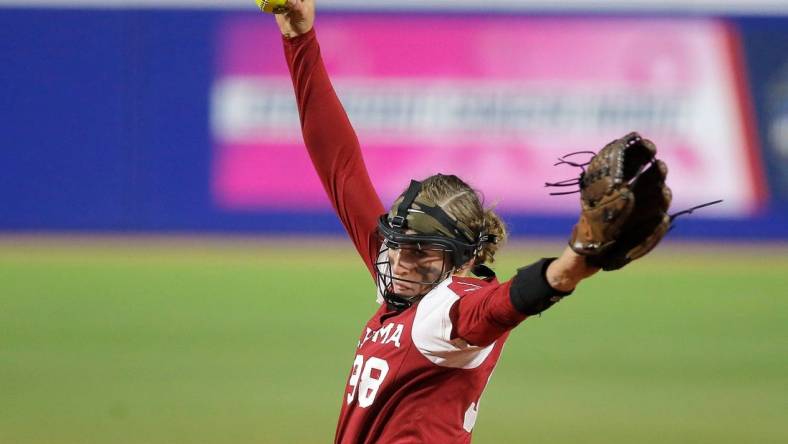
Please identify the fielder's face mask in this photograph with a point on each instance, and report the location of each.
(416, 227)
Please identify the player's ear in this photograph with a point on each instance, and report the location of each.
(465, 269)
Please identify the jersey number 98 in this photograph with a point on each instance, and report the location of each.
(366, 379)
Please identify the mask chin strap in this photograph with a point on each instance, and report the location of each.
(396, 301)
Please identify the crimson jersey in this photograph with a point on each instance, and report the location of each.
(419, 373)
(412, 380)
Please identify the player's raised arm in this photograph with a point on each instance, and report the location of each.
(328, 134)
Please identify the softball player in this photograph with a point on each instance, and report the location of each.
(424, 358)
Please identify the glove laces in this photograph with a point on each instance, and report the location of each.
(575, 181)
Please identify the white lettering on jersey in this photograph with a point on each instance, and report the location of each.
(355, 374)
(367, 335)
(366, 382)
(369, 385)
(397, 335)
(384, 335)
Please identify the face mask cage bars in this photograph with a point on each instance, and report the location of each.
(386, 279)
(455, 253)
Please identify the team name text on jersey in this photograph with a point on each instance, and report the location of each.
(388, 334)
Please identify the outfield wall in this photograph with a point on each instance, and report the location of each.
(182, 120)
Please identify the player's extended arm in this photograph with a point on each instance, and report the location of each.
(328, 134)
(568, 270)
(482, 316)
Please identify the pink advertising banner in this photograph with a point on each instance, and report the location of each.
(495, 100)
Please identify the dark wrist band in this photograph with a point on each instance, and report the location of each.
(530, 292)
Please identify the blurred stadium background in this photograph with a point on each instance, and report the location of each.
(171, 273)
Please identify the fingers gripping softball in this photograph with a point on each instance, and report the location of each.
(294, 17)
(272, 6)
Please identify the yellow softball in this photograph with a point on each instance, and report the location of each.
(272, 6)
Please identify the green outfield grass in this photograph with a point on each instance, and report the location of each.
(250, 341)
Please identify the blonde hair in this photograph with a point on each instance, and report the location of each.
(465, 204)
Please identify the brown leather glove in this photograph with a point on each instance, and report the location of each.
(624, 204)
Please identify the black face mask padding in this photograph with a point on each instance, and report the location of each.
(459, 251)
(400, 221)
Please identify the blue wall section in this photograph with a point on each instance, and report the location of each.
(104, 126)
(63, 115)
(766, 43)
